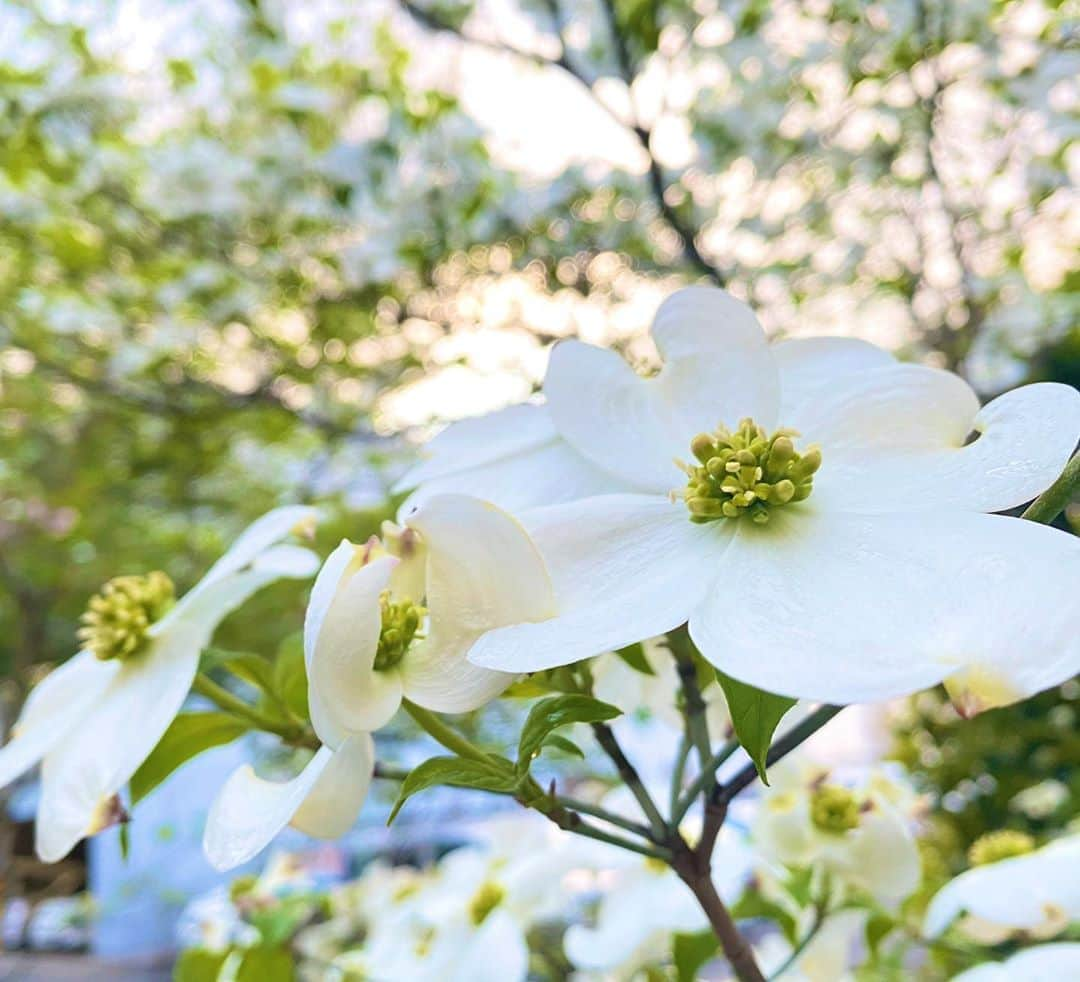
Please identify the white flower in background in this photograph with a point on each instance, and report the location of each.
(856, 831)
(96, 718)
(1037, 892)
(469, 919)
(845, 559)
(828, 956)
(1044, 963)
(368, 642)
(654, 694)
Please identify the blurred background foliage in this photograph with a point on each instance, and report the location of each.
(251, 251)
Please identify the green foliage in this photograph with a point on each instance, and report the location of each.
(755, 714)
(493, 774)
(188, 736)
(266, 964)
(554, 712)
(691, 951)
(974, 769)
(198, 965)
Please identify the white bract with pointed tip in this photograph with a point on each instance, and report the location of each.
(1038, 893)
(94, 720)
(828, 541)
(382, 627)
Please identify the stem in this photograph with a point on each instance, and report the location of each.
(697, 727)
(444, 734)
(571, 821)
(584, 808)
(788, 742)
(606, 738)
(677, 779)
(797, 951)
(1056, 498)
(387, 772)
(225, 700)
(703, 779)
(736, 949)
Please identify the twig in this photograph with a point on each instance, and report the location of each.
(222, 698)
(610, 745)
(1056, 498)
(585, 808)
(704, 778)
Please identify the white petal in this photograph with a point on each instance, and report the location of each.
(55, 705)
(287, 562)
(469, 443)
(543, 475)
(106, 747)
(1023, 892)
(1043, 963)
(323, 800)
(483, 572)
(625, 567)
(323, 591)
(858, 608)
(813, 369)
(895, 408)
(717, 369)
(257, 538)
(1025, 439)
(882, 857)
(341, 674)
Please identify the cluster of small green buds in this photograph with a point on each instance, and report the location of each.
(484, 901)
(996, 846)
(747, 472)
(834, 809)
(400, 625)
(117, 619)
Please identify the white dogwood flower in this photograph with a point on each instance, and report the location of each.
(1043, 963)
(1035, 892)
(368, 642)
(828, 539)
(96, 718)
(852, 829)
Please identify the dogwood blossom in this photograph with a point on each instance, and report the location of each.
(1039, 964)
(827, 540)
(368, 643)
(855, 830)
(98, 716)
(1036, 892)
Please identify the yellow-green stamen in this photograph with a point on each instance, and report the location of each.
(834, 809)
(400, 626)
(118, 619)
(996, 846)
(485, 900)
(747, 473)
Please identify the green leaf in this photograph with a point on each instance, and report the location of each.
(568, 747)
(755, 715)
(549, 714)
(198, 965)
(265, 964)
(752, 904)
(290, 676)
(189, 735)
(245, 665)
(877, 927)
(634, 656)
(493, 774)
(691, 951)
(800, 886)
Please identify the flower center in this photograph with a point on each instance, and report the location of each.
(400, 625)
(117, 620)
(486, 899)
(747, 473)
(834, 809)
(996, 846)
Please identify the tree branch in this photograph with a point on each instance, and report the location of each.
(610, 745)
